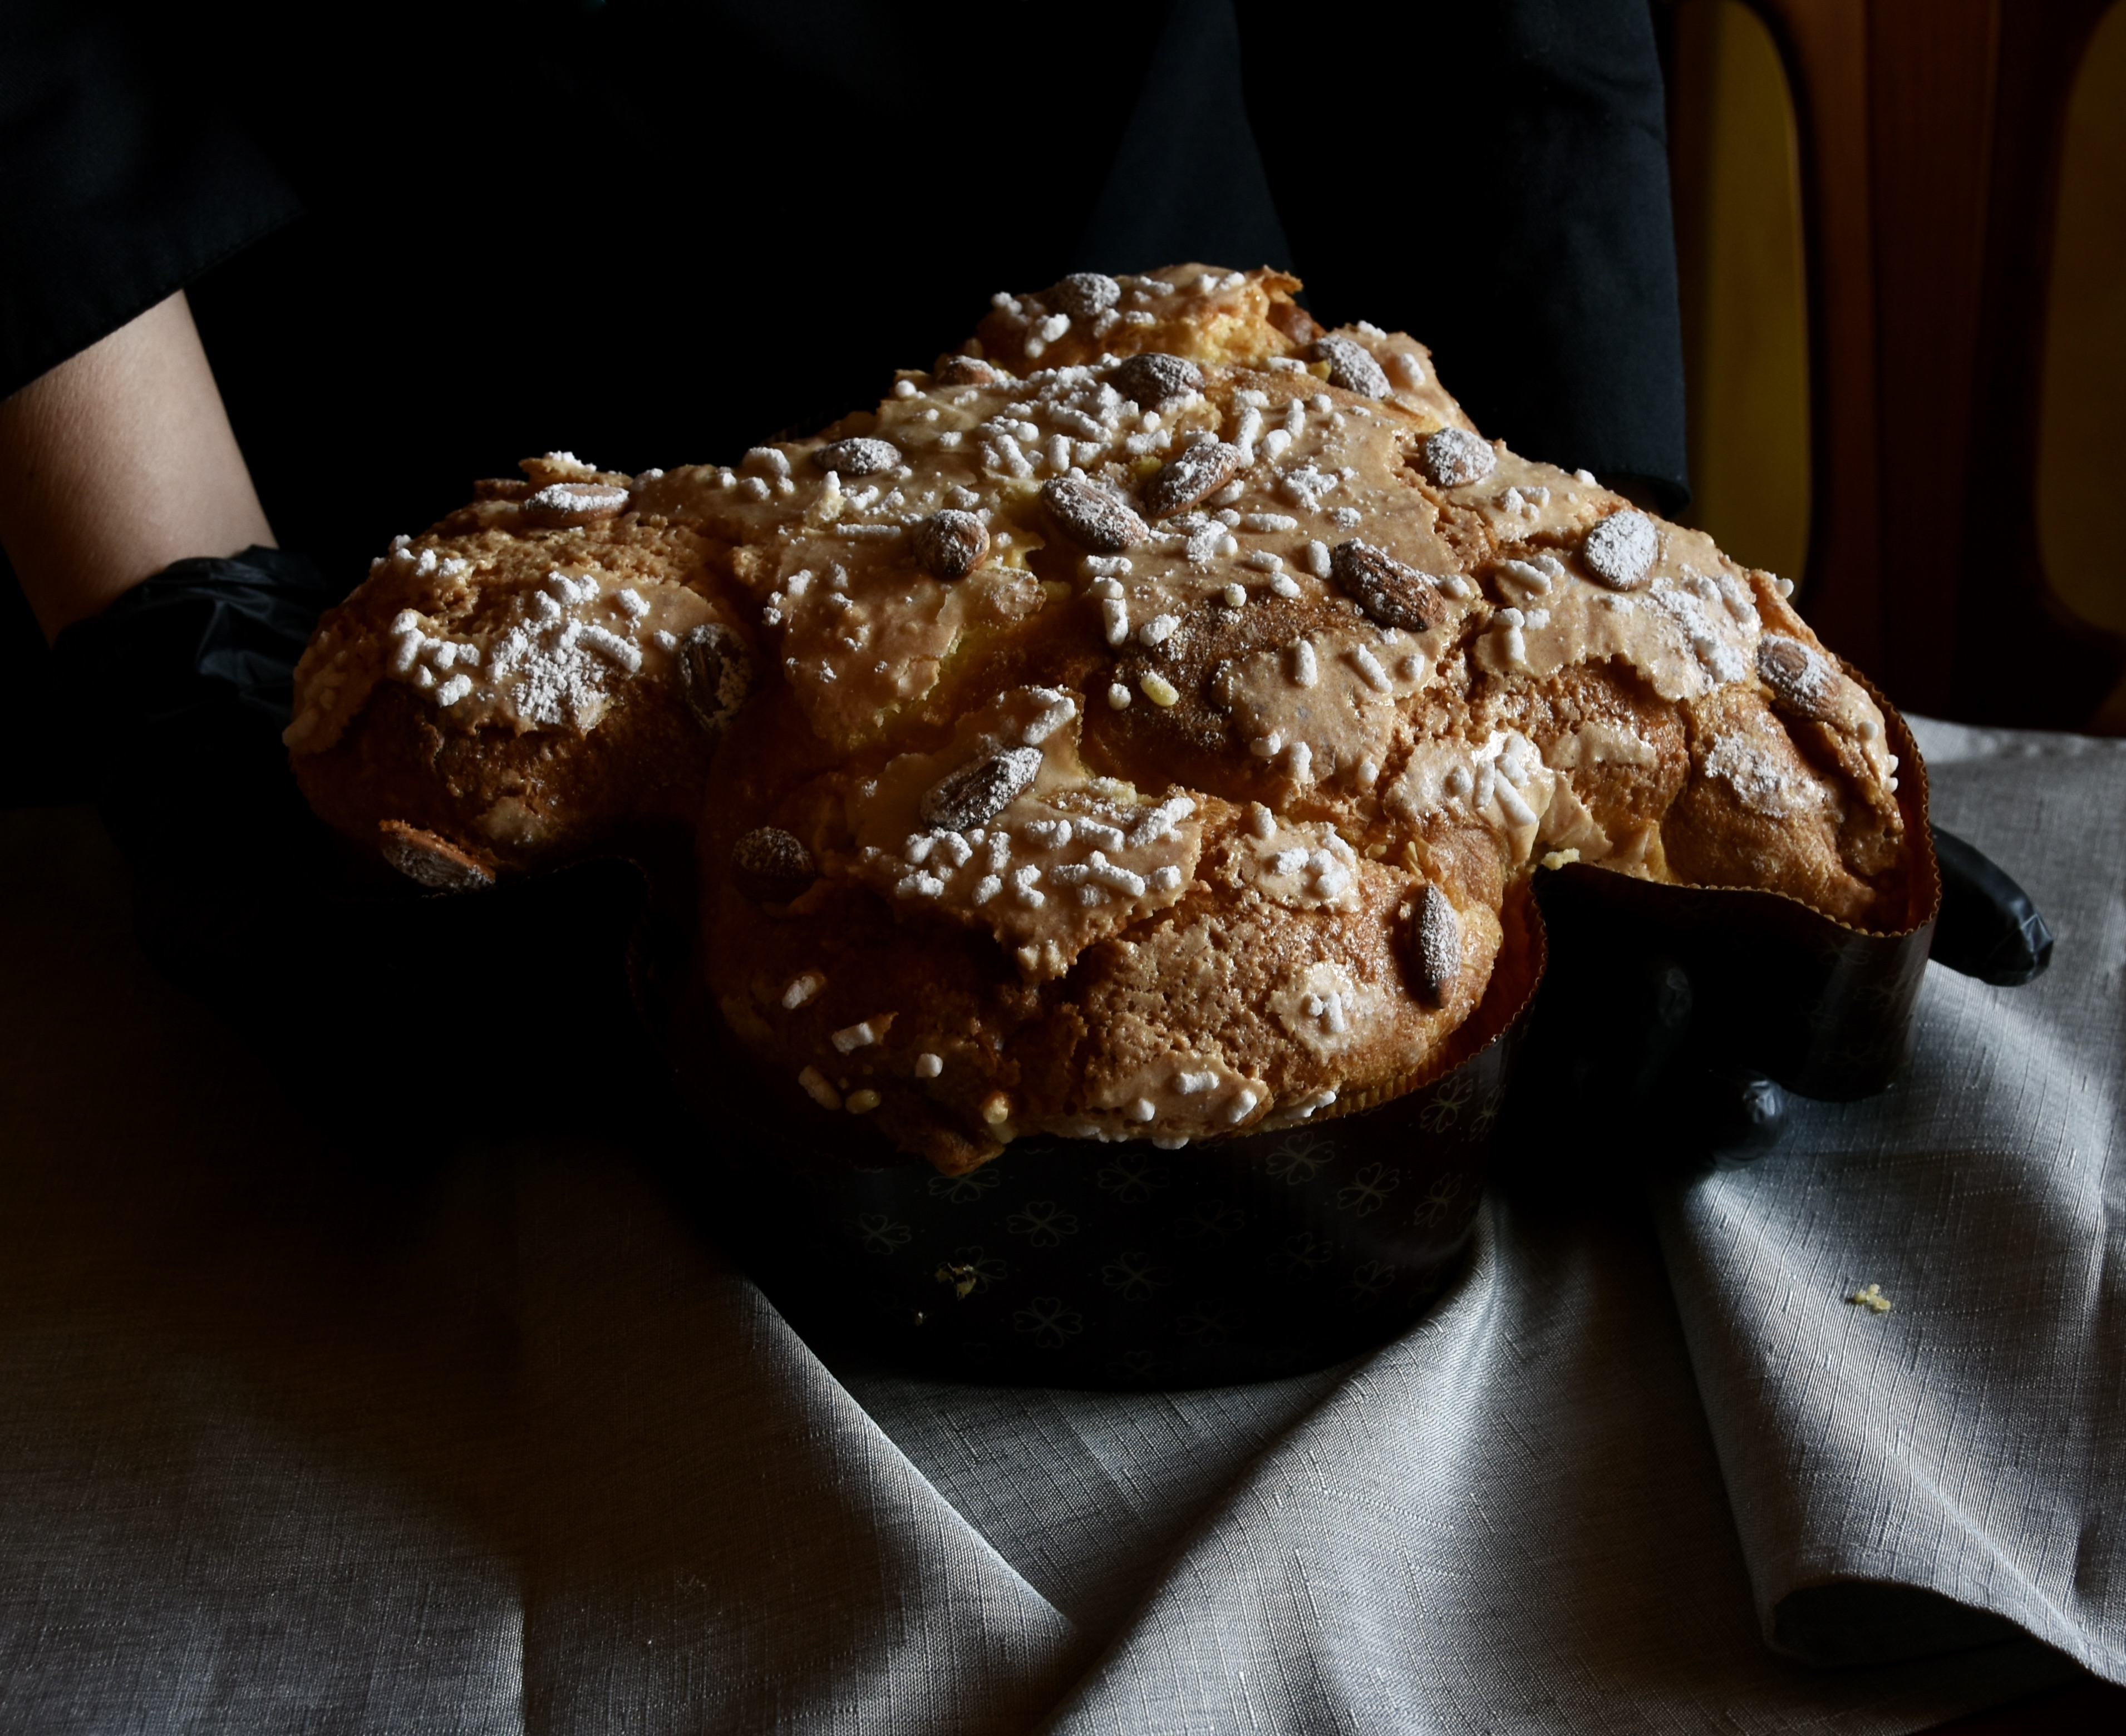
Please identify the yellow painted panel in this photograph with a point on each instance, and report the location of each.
(1740, 241)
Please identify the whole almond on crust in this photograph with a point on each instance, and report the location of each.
(716, 670)
(431, 861)
(1154, 380)
(1802, 681)
(1454, 458)
(949, 544)
(1352, 367)
(966, 370)
(770, 866)
(1394, 595)
(858, 456)
(1084, 294)
(1091, 515)
(1193, 474)
(1435, 944)
(980, 790)
(1620, 550)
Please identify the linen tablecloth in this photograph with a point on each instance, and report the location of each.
(420, 1433)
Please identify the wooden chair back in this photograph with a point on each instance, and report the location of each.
(1931, 136)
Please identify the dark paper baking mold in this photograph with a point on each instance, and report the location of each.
(1069, 1262)
(1821, 1006)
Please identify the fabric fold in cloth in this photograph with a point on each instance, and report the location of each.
(1920, 1469)
(725, 1539)
(1511, 1519)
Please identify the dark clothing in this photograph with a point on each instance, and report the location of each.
(118, 183)
(1493, 179)
(653, 232)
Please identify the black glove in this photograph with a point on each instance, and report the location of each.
(378, 1005)
(1622, 1076)
(179, 691)
(1988, 928)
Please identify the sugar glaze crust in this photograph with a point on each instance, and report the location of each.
(537, 676)
(1168, 787)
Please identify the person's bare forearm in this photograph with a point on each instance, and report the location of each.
(117, 462)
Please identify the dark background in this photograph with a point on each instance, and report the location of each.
(652, 232)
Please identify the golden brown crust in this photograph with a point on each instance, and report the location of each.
(503, 682)
(1755, 813)
(1164, 697)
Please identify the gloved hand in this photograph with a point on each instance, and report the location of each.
(376, 1006)
(179, 691)
(1988, 928)
(1622, 1076)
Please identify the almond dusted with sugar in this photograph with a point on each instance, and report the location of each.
(716, 670)
(949, 544)
(1435, 943)
(1394, 595)
(1620, 550)
(1198, 472)
(1084, 295)
(859, 456)
(1800, 679)
(1454, 458)
(562, 504)
(770, 866)
(966, 370)
(1092, 517)
(431, 861)
(1352, 367)
(1154, 380)
(981, 789)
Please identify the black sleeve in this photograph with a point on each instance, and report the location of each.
(1493, 179)
(120, 178)
(1187, 179)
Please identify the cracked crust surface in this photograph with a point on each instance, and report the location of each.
(1121, 817)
